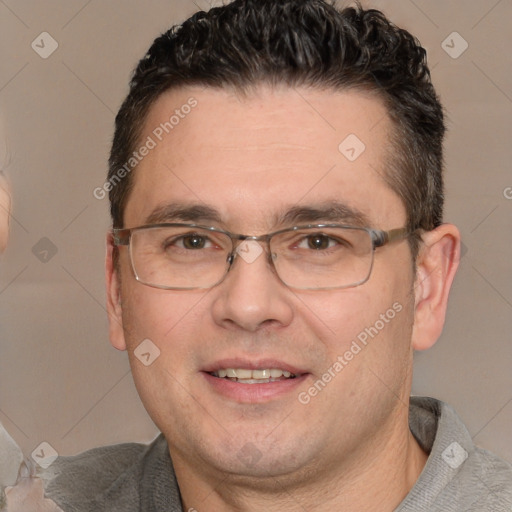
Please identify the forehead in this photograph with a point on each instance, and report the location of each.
(252, 157)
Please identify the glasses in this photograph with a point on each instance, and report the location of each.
(311, 257)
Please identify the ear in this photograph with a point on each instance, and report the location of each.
(436, 265)
(114, 307)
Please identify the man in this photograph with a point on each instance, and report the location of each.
(278, 253)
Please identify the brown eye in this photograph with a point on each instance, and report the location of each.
(194, 241)
(318, 242)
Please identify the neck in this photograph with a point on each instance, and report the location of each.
(377, 477)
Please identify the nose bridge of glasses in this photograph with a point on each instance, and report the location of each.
(238, 247)
(237, 240)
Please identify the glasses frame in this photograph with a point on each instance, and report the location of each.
(379, 238)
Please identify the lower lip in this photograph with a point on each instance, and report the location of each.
(254, 393)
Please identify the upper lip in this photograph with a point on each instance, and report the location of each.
(253, 364)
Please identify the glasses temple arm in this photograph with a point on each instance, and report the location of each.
(381, 238)
(121, 236)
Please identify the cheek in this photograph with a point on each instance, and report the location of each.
(367, 326)
(159, 315)
(169, 324)
(160, 330)
(344, 314)
(368, 351)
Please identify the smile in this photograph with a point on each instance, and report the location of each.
(248, 376)
(249, 381)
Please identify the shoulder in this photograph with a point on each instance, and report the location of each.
(487, 479)
(482, 483)
(458, 475)
(105, 478)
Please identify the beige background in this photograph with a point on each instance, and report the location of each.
(60, 381)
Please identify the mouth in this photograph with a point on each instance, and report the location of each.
(248, 376)
(254, 381)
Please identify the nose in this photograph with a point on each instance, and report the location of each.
(252, 296)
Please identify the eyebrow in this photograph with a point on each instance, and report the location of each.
(184, 213)
(331, 211)
(325, 212)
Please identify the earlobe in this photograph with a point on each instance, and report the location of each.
(437, 264)
(114, 306)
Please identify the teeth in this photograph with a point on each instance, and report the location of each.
(260, 374)
(253, 376)
(239, 374)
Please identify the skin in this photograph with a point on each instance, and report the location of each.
(5, 211)
(251, 159)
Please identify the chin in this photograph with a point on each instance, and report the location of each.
(246, 456)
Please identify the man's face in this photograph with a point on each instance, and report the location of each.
(252, 160)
